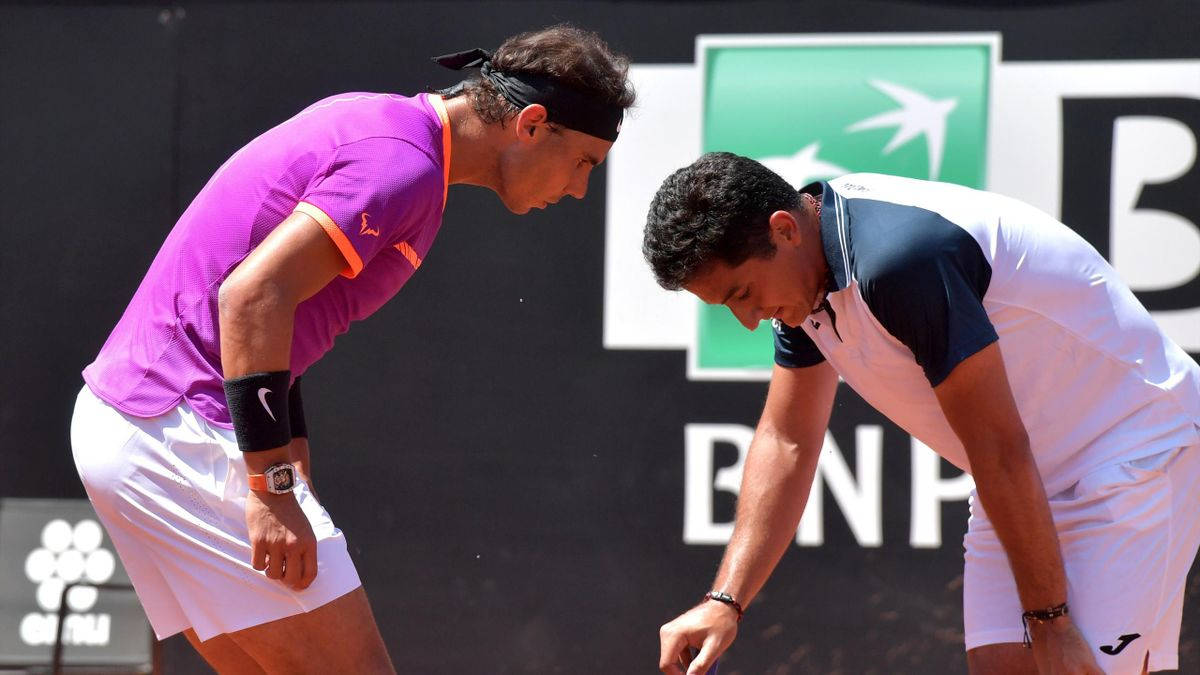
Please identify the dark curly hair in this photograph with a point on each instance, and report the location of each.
(717, 208)
(573, 56)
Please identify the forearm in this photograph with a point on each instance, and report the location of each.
(255, 322)
(1010, 488)
(775, 486)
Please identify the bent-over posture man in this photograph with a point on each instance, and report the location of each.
(999, 338)
(189, 434)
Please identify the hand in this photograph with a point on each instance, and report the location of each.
(709, 627)
(1060, 649)
(281, 539)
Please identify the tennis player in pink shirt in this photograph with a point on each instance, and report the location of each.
(189, 434)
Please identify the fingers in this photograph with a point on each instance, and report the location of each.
(672, 647)
(310, 568)
(295, 565)
(293, 569)
(707, 657)
(282, 543)
(258, 555)
(275, 562)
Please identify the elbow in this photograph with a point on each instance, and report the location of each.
(241, 295)
(232, 298)
(785, 449)
(1000, 452)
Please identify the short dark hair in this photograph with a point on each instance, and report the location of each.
(717, 208)
(578, 58)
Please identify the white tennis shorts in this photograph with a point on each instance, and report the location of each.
(171, 493)
(1129, 533)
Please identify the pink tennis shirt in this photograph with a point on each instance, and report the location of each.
(371, 169)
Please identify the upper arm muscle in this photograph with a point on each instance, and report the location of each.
(297, 259)
(978, 403)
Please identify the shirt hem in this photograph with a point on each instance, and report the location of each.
(121, 407)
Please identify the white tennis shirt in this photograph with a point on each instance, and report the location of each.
(923, 275)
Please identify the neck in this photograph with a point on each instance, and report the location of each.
(810, 221)
(475, 158)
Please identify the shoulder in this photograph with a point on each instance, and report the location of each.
(388, 163)
(896, 241)
(908, 259)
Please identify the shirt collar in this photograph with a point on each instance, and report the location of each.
(831, 240)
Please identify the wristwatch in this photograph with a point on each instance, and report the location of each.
(278, 479)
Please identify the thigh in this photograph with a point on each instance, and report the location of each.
(224, 655)
(339, 637)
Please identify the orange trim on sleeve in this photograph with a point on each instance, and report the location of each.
(353, 261)
(440, 106)
(409, 254)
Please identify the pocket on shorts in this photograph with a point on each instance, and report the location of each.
(1135, 494)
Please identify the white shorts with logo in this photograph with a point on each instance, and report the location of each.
(1129, 533)
(171, 493)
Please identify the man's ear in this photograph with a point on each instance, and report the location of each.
(784, 227)
(531, 120)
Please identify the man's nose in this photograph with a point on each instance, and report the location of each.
(577, 188)
(747, 317)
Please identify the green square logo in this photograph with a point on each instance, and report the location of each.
(817, 107)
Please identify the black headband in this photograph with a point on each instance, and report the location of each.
(565, 105)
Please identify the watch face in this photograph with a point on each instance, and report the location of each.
(281, 478)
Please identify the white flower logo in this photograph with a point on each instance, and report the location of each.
(69, 554)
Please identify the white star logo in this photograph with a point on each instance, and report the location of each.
(918, 114)
(803, 167)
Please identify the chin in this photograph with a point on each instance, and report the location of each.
(518, 210)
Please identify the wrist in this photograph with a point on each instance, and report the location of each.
(723, 598)
(257, 462)
(1045, 622)
(278, 479)
(270, 500)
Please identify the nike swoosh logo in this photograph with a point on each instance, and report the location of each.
(262, 398)
(1124, 642)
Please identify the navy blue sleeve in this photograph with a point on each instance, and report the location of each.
(926, 288)
(793, 347)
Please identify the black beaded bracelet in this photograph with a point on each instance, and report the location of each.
(1041, 616)
(726, 598)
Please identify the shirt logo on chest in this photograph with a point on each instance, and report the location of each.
(367, 229)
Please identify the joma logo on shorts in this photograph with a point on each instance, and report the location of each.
(1124, 642)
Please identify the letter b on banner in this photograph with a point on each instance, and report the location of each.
(857, 494)
(1130, 186)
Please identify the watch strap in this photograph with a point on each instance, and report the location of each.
(257, 481)
(261, 482)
